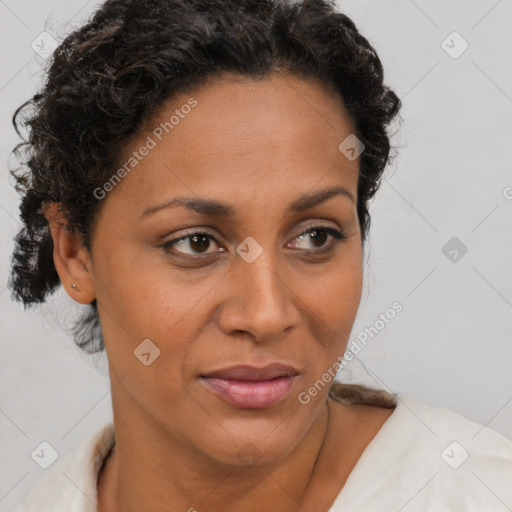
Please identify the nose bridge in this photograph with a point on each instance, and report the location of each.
(260, 270)
(263, 277)
(264, 301)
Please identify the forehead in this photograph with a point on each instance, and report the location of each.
(281, 131)
(275, 109)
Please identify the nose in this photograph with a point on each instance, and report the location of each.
(261, 302)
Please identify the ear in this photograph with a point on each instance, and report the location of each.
(71, 257)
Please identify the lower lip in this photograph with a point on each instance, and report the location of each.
(251, 394)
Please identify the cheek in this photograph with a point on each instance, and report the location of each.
(144, 297)
(332, 304)
(143, 301)
(336, 293)
(140, 288)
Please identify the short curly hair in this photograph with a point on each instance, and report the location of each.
(111, 75)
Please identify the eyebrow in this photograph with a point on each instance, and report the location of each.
(215, 208)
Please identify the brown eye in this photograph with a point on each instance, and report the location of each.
(319, 235)
(198, 243)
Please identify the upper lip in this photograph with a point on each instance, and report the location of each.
(247, 372)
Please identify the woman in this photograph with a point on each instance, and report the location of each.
(199, 174)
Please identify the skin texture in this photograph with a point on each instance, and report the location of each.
(258, 146)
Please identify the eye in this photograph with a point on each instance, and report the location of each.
(196, 241)
(199, 242)
(318, 235)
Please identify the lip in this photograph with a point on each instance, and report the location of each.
(248, 372)
(249, 387)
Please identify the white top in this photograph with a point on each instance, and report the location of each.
(423, 459)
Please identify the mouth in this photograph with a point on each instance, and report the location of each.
(248, 387)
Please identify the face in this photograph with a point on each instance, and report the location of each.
(253, 275)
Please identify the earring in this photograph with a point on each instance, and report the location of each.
(73, 285)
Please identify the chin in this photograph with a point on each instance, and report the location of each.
(257, 444)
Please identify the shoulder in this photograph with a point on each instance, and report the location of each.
(439, 424)
(71, 482)
(431, 458)
(466, 464)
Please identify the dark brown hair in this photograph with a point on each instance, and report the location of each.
(110, 76)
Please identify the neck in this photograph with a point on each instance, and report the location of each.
(150, 470)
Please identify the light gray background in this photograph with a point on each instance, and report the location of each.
(451, 345)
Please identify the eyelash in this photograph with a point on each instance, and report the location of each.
(336, 235)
